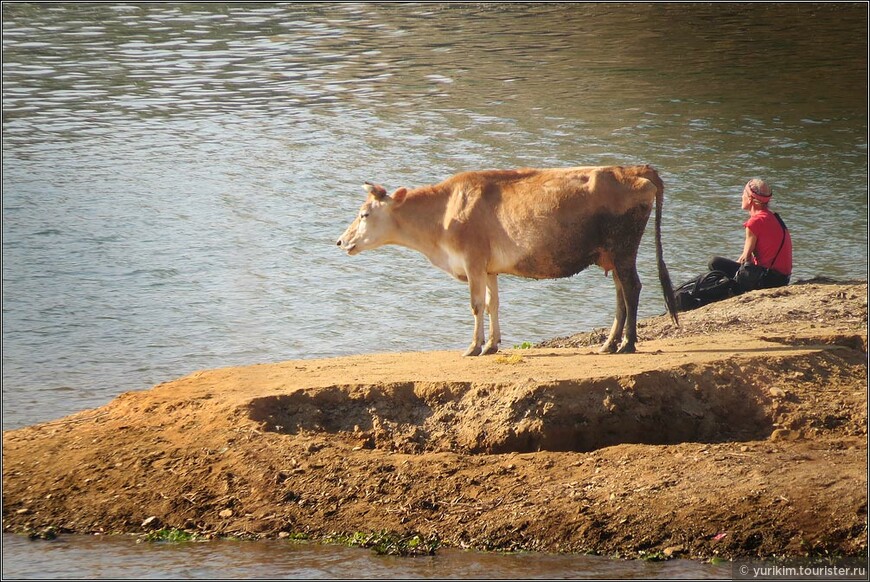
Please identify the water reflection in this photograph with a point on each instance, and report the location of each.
(90, 557)
(165, 59)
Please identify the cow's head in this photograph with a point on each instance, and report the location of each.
(374, 226)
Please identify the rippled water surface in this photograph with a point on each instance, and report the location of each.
(175, 175)
(105, 558)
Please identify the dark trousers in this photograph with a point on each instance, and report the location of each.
(729, 267)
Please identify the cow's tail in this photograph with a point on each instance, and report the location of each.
(664, 276)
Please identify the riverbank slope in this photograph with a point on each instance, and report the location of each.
(741, 434)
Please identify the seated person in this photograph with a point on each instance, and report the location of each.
(768, 242)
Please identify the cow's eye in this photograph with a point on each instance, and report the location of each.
(363, 214)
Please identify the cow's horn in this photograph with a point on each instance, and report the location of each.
(375, 190)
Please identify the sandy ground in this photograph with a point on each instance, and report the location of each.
(741, 434)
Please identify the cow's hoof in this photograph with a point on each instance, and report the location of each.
(626, 348)
(489, 349)
(607, 348)
(472, 351)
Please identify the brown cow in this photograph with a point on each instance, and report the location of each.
(537, 223)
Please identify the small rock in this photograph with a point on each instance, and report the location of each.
(671, 551)
(283, 535)
(314, 447)
(152, 522)
(783, 434)
(776, 392)
(226, 513)
(22, 511)
(48, 533)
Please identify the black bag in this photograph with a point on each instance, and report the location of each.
(704, 289)
(750, 276)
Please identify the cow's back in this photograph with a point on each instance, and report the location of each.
(548, 223)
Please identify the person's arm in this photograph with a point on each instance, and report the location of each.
(748, 246)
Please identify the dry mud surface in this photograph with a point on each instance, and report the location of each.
(741, 434)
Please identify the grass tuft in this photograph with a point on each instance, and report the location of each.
(386, 543)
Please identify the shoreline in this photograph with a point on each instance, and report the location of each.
(742, 434)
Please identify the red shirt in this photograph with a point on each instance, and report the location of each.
(768, 231)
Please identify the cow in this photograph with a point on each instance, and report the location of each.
(529, 222)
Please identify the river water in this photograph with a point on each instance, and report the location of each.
(71, 557)
(175, 177)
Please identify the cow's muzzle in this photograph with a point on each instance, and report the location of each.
(349, 248)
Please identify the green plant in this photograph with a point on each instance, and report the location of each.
(296, 536)
(386, 543)
(524, 346)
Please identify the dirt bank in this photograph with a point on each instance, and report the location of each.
(743, 433)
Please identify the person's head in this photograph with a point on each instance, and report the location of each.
(756, 195)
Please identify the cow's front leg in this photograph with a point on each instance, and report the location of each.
(477, 290)
(491, 346)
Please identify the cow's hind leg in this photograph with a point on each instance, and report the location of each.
(626, 271)
(622, 239)
(491, 346)
(612, 343)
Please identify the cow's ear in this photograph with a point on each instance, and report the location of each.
(375, 190)
(399, 196)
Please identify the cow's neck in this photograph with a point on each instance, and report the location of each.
(419, 220)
